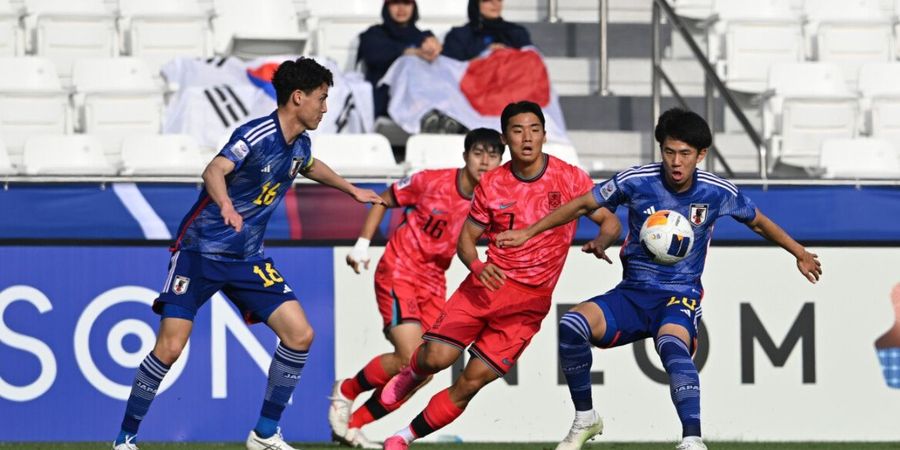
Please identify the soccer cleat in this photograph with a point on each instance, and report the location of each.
(396, 443)
(399, 387)
(581, 432)
(339, 412)
(356, 439)
(127, 445)
(274, 442)
(691, 443)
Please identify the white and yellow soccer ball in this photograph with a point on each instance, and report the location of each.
(667, 237)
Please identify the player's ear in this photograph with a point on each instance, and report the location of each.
(297, 97)
(701, 154)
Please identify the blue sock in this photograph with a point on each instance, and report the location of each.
(143, 391)
(684, 382)
(284, 373)
(575, 358)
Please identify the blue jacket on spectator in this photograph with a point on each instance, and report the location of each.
(468, 41)
(381, 45)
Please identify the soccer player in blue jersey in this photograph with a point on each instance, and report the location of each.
(220, 247)
(662, 302)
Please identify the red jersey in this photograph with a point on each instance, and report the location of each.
(503, 201)
(426, 241)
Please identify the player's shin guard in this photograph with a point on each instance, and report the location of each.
(143, 391)
(372, 410)
(284, 373)
(372, 376)
(440, 412)
(576, 359)
(684, 382)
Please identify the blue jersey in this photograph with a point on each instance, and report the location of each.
(643, 191)
(264, 169)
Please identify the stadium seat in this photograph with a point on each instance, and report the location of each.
(748, 37)
(164, 154)
(254, 29)
(6, 167)
(860, 158)
(159, 30)
(10, 31)
(881, 99)
(117, 97)
(434, 151)
(337, 37)
(32, 102)
(75, 154)
(849, 33)
(356, 154)
(806, 103)
(693, 9)
(66, 30)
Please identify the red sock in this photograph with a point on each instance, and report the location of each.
(371, 376)
(419, 372)
(372, 410)
(440, 412)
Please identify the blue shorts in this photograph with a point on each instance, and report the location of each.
(255, 287)
(635, 313)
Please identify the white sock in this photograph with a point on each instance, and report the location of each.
(585, 416)
(406, 434)
(696, 439)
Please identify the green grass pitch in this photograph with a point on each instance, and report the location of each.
(473, 446)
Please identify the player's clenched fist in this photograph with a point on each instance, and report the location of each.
(511, 238)
(233, 219)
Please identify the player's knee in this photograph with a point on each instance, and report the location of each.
(436, 357)
(168, 350)
(300, 339)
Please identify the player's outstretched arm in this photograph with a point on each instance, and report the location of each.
(488, 274)
(214, 180)
(610, 230)
(808, 263)
(572, 210)
(360, 253)
(321, 173)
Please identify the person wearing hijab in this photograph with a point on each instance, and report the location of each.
(485, 30)
(381, 45)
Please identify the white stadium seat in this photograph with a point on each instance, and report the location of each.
(259, 28)
(75, 154)
(749, 37)
(693, 9)
(118, 97)
(860, 158)
(806, 103)
(434, 151)
(32, 102)
(356, 154)
(6, 167)
(159, 30)
(881, 99)
(165, 154)
(66, 30)
(11, 34)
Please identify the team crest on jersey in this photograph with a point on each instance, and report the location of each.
(699, 211)
(180, 285)
(295, 166)
(554, 199)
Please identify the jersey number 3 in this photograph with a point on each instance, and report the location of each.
(267, 194)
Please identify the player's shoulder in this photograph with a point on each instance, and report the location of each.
(639, 174)
(499, 174)
(717, 183)
(256, 130)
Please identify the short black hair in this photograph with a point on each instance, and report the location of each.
(514, 109)
(304, 74)
(486, 137)
(685, 126)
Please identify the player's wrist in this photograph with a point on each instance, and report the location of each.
(476, 266)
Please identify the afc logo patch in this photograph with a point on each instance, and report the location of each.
(554, 199)
(699, 211)
(180, 285)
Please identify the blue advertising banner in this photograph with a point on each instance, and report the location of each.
(75, 323)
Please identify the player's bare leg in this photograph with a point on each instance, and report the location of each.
(446, 405)
(170, 342)
(580, 326)
(346, 427)
(430, 358)
(290, 324)
(673, 343)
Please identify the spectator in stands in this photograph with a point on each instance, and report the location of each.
(486, 30)
(381, 45)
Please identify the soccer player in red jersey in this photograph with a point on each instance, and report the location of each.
(410, 286)
(499, 307)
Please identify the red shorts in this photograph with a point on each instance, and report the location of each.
(405, 297)
(498, 324)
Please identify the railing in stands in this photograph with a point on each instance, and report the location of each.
(712, 83)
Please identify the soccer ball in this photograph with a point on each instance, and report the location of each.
(667, 237)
